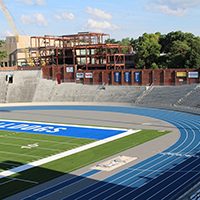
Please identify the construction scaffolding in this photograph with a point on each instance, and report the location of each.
(82, 51)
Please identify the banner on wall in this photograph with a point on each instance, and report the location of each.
(117, 77)
(88, 75)
(138, 77)
(181, 74)
(79, 75)
(193, 74)
(127, 77)
(69, 69)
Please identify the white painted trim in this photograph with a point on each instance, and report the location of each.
(64, 154)
(71, 125)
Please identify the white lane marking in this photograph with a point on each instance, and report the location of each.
(130, 177)
(192, 178)
(190, 129)
(174, 173)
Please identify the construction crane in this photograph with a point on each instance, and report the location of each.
(13, 26)
(9, 18)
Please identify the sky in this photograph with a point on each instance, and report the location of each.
(119, 18)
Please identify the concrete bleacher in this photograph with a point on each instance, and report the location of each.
(93, 93)
(126, 94)
(165, 95)
(3, 89)
(44, 90)
(73, 92)
(192, 99)
(23, 87)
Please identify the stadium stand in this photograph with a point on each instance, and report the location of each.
(165, 95)
(43, 90)
(29, 86)
(3, 88)
(191, 99)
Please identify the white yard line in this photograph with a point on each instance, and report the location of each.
(39, 140)
(18, 154)
(64, 154)
(18, 179)
(42, 148)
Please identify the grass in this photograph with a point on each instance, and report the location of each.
(11, 143)
(65, 165)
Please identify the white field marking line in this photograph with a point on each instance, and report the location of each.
(24, 180)
(134, 176)
(53, 187)
(151, 161)
(64, 154)
(43, 148)
(27, 155)
(8, 181)
(39, 140)
(162, 173)
(70, 125)
(183, 184)
(175, 172)
(18, 179)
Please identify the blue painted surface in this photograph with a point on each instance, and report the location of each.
(159, 177)
(59, 186)
(57, 130)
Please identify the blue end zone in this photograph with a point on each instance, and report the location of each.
(59, 130)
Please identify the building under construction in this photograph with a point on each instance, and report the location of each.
(83, 51)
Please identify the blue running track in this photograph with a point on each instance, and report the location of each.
(164, 176)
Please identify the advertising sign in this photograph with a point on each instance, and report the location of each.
(193, 74)
(69, 69)
(79, 75)
(127, 77)
(181, 74)
(88, 75)
(137, 77)
(117, 77)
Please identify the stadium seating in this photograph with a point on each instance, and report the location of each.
(29, 86)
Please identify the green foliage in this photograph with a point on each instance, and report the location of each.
(173, 50)
(154, 66)
(147, 49)
(125, 42)
(111, 41)
(3, 54)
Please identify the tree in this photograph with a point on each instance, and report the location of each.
(178, 54)
(193, 58)
(127, 43)
(147, 49)
(111, 41)
(2, 52)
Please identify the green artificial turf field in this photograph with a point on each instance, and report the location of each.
(16, 148)
(12, 155)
